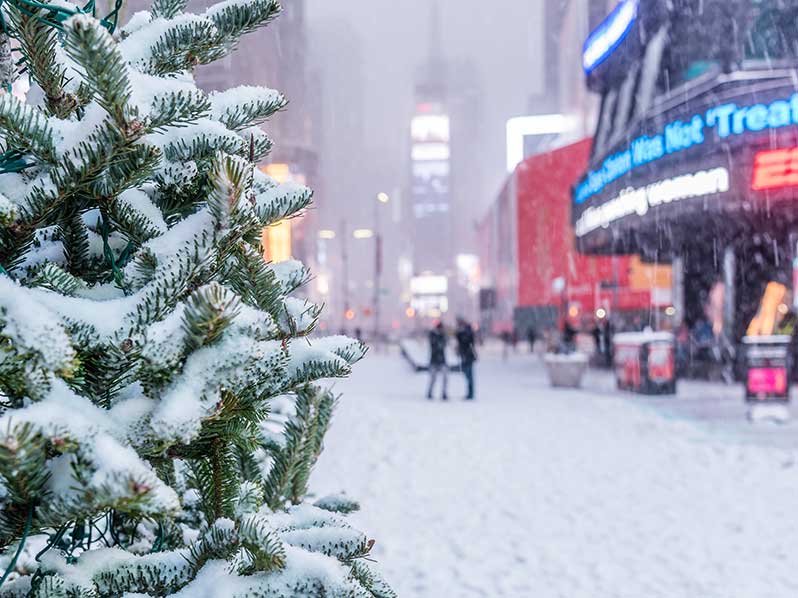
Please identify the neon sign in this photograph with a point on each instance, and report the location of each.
(775, 169)
(725, 121)
(639, 201)
(609, 34)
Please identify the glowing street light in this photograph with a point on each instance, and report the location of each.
(326, 234)
(363, 233)
(383, 198)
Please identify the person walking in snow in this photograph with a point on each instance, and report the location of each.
(467, 352)
(437, 359)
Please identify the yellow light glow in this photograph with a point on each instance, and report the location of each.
(276, 242)
(279, 172)
(383, 197)
(573, 311)
(323, 284)
(764, 323)
(363, 233)
(410, 312)
(670, 311)
(326, 234)
(601, 313)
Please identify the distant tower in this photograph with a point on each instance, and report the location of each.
(430, 205)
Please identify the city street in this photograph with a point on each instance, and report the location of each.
(533, 492)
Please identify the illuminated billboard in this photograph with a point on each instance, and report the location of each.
(430, 161)
(728, 152)
(603, 41)
(429, 284)
(430, 128)
(429, 295)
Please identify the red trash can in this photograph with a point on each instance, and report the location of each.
(645, 362)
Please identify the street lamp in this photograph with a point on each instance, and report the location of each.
(363, 233)
(382, 198)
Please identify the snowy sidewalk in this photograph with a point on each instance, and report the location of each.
(534, 493)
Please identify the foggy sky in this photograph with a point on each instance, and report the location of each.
(502, 37)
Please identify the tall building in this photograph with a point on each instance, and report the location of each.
(343, 262)
(446, 174)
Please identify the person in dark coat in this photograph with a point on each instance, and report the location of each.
(467, 352)
(531, 337)
(437, 359)
(568, 337)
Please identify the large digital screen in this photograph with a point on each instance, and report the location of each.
(430, 166)
(720, 151)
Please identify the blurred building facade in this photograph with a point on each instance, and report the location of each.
(275, 57)
(694, 152)
(446, 172)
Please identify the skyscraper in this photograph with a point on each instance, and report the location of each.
(445, 173)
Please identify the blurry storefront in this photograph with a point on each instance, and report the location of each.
(695, 155)
(532, 275)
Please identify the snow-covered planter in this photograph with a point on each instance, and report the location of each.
(566, 370)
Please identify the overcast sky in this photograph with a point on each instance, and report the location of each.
(502, 37)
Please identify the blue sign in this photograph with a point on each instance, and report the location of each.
(726, 120)
(608, 36)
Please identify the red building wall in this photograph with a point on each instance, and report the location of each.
(545, 246)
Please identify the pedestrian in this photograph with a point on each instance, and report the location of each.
(531, 337)
(598, 341)
(606, 337)
(437, 359)
(568, 337)
(467, 353)
(506, 337)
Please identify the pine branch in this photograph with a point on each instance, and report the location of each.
(74, 236)
(209, 312)
(245, 106)
(90, 45)
(26, 129)
(52, 277)
(22, 467)
(184, 45)
(231, 178)
(167, 9)
(234, 19)
(318, 415)
(38, 43)
(178, 108)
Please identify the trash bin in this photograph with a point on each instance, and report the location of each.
(645, 362)
(767, 361)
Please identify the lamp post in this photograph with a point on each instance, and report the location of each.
(344, 275)
(382, 198)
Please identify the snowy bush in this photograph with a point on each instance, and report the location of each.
(143, 337)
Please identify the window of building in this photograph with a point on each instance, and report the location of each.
(773, 34)
(604, 132)
(650, 72)
(623, 111)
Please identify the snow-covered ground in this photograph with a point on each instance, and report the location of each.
(530, 492)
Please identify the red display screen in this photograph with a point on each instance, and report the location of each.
(775, 169)
(767, 381)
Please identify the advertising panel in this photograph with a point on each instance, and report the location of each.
(430, 153)
(720, 151)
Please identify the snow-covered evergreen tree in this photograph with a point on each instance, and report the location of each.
(160, 416)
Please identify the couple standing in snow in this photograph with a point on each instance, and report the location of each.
(466, 351)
